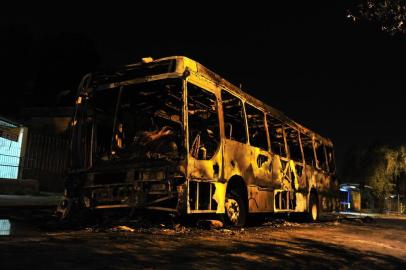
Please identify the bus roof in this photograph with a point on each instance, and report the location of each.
(184, 63)
(217, 79)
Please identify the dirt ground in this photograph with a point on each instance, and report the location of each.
(378, 243)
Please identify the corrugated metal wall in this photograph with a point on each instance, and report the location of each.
(46, 160)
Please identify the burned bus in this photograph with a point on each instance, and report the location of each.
(171, 135)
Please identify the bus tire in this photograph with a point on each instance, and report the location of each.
(235, 210)
(313, 214)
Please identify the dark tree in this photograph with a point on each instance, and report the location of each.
(388, 15)
(380, 166)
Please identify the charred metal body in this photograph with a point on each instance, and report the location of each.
(171, 135)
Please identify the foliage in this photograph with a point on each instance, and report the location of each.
(380, 166)
(389, 15)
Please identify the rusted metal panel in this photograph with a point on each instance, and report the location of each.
(260, 199)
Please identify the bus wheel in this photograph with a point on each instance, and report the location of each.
(314, 211)
(235, 210)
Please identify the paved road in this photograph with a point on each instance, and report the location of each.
(345, 244)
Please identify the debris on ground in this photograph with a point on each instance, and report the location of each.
(167, 231)
(210, 224)
(227, 231)
(122, 228)
(181, 229)
(354, 219)
(276, 223)
(91, 229)
(379, 244)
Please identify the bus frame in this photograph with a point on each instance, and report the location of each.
(239, 176)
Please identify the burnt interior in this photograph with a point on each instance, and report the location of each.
(321, 156)
(201, 196)
(292, 140)
(308, 152)
(276, 136)
(256, 127)
(139, 121)
(234, 117)
(204, 133)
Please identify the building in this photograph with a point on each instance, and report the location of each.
(48, 145)
(34, 151)
(13, 146)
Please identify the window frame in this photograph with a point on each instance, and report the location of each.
(321, 144)
(282, 127)
(186, 113)
(299, 138)
(311, 137)
(244, 120)
(267, 148)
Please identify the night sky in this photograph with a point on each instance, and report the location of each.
(344, 80)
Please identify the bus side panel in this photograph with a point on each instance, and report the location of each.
(261, 162)
(237, 160)
(254, 166)
(325, 186)
(328, 191)
(260, 200)
(205, 169)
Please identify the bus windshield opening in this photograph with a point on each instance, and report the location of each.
(139, 121)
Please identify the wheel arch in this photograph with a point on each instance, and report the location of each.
(313, 193)
(237, 184)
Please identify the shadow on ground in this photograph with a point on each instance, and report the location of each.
(134, 251)
(161, 248)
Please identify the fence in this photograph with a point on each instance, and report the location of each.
(395, 204)
(46, 159)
